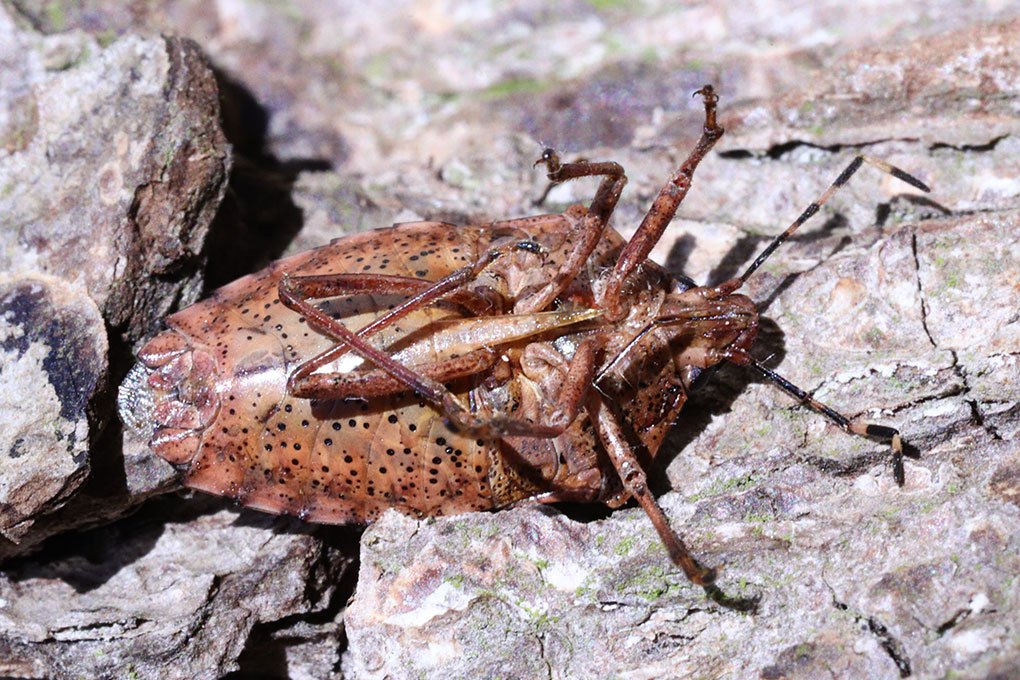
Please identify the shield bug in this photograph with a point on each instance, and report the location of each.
(439, 369)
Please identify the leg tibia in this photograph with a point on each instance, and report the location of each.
(634, 481)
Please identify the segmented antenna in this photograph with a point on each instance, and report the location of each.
(849, 425)
(809, 211)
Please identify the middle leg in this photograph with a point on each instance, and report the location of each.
(295, 292)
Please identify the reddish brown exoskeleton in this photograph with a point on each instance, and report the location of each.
(438, 369)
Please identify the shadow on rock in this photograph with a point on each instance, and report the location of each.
(908, 208)
(258, 218)
(270, 646)
(679, 254)
(87, 560)
(714, 393)
(744, 605)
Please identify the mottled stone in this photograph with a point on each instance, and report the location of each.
(53, 360)
(151, 598)
(958, 88)
(1005, 482)
(889, 305)
(112, 168)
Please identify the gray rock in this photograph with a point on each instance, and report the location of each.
(171, 595)
(53, 360)
(112, 166)
(889, 306)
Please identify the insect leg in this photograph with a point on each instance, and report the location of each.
(550, 423)
(852, 426)
(663, 209)
(433, 390)
(428, 383)
(377, 382)
(552, 183)
(424, 293)
(635, 481)
(297, 290)
(588, 233)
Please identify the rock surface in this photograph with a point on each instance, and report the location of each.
(54, 348)
(112, 167)
(174, 594)
(890, 305)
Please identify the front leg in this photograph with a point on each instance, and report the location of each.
(588, 233)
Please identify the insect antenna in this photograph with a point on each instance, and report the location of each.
(809, 211)
(852, 426)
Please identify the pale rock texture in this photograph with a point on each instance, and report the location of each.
(112, 166)
(53, 348)
(150, 151)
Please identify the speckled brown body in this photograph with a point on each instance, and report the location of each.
(438, 369)
(239, 434)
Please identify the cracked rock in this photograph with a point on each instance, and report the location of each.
(156, 598)
(956, 89)
(450, 596)
(112, 165)
(969, 276)
(889, 305)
